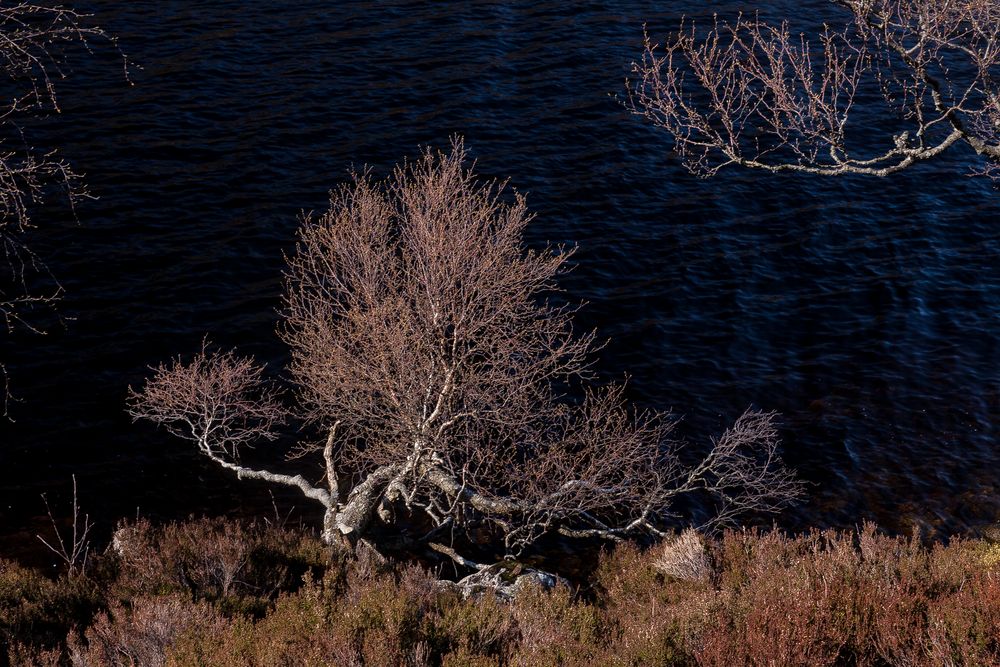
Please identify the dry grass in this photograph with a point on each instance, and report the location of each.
(684, 557)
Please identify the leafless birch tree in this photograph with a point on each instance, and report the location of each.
(426, 354)
(754, 94)
(33, 39)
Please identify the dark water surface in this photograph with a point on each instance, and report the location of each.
(866, 311)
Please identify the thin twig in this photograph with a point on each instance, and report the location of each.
(75, 555)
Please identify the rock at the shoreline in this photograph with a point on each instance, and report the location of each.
(505, 580)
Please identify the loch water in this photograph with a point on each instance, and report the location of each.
(865, 311)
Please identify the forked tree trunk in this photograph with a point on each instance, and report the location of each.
(350, 520)
(341, 521)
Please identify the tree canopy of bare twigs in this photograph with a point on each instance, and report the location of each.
(754, 94)
(427, 356)
(33, 39)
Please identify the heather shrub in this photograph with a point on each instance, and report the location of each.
(555, 629)
(25, 601)
(477, 631)
(464, 658)
(627, 574)
(370, 615)
(379, 618)
(792, 609)
(840, 598)
(989, 556)
(241, 567)
(23, 654)
(177, 557)
(648, 616)
(825, 598)
(896, 578)
(963, 626)
(387, 617)
(37, 612)
(143, 633)
(220, 553)
(298, 631)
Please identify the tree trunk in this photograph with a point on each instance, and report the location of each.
(351, 520)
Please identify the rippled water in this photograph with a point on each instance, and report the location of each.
(866, 311)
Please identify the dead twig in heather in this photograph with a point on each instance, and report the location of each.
(74, 551)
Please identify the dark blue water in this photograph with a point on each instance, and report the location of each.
(866, 311)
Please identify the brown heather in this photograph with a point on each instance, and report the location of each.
(213, 592)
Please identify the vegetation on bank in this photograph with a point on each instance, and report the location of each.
(215, 592)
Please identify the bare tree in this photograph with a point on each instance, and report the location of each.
(33, 39)
(754, 94)
(425, 352)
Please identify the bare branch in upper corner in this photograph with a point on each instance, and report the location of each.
(753, 94)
